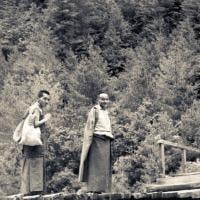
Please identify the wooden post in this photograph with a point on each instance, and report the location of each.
(184, 158)
(162, 154)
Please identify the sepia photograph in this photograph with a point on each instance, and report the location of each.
(99, 99)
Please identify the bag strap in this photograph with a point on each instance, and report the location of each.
(25, 114)
(34, 108)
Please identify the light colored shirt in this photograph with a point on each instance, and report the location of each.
(103, 125)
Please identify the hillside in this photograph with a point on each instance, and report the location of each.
(144, 54)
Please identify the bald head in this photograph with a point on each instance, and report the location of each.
(103, 100)
(103, 95)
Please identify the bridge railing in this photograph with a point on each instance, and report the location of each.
(163, 143)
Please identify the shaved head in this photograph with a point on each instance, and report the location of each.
(103, 100)
(103, 95)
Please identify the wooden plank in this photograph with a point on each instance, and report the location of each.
(34, 197)
(55, 196)
(86, 196)
(170, 195)
(184, 160)
(154, 195)
(162, 154)
(176, 145)
(186, 174)
(182, 194)
(108, 196)
(184, 178)
(194, 194)
(172, 187)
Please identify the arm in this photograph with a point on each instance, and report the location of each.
(35, 119)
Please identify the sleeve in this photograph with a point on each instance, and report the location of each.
(91, 119)
(89, 127)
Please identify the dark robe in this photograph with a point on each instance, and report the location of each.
(99, 165)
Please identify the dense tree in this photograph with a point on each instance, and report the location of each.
(144, 54)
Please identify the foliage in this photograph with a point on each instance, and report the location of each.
(144, 54)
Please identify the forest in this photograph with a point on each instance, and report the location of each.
(144, 53)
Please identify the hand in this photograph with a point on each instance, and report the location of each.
(47, 117)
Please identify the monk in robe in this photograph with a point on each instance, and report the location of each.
(33, 163)
(95, 163)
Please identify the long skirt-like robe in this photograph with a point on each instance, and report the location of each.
(32, 176)
(99, 165)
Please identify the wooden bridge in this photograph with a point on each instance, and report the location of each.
(181, 194)
(180, 186)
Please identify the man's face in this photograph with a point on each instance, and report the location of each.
(104, 101)
(44, 100)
